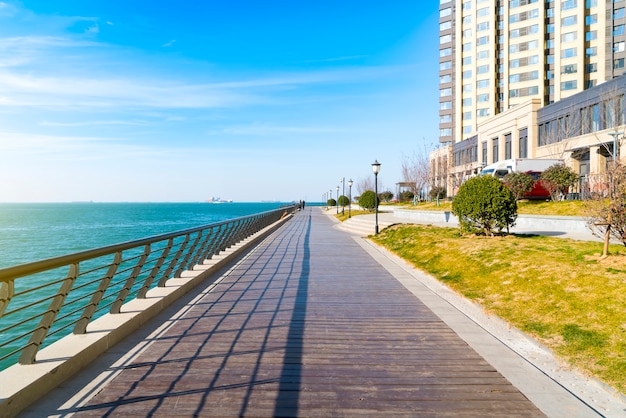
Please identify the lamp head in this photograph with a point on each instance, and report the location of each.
(376, 167)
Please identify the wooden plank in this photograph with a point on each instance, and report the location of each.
(309, 325)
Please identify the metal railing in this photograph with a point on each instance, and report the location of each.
(43, 301)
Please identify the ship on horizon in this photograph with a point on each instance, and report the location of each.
(219, 200)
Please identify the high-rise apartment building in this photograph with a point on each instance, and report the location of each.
(497, 54)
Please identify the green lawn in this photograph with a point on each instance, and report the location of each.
(557, 290)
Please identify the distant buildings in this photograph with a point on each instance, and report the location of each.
(529, 79)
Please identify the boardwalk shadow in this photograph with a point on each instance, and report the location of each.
(191, 360)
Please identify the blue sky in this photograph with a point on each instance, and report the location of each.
(184, 100)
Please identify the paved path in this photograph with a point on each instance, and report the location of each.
(310, 323)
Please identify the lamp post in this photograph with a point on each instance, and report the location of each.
(343, 193)
(376, 170)
(615, 153)
(330, 196)
(337, 205)
(350, 198)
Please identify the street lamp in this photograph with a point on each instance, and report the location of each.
(350, 198)
(615, 153)
(376, 170)
(337, 205)
(343, 193)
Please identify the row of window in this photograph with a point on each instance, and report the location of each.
(599, 116)
(469, 153)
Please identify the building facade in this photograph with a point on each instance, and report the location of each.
(502, 61)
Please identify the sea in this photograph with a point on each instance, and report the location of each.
(36, 231)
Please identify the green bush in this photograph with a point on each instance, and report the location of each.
(519, 183)
(484, 204)
(407, 196)
(385, 196)
(437, 192)
(367, 200)
(558, 179)
(343, 201)
(331, 202)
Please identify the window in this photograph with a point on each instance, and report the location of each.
(507, 146)
(482, 98)
(467, 33)
(445, 105)
(484, 146)
(591, 3)
(618, 63)
(467, 74)
(482, 26)
(446, 65)
(445, 132)
(591, 36)
(445, 39)
(467, 115)
(618, 30)
(445, 92)
(445, 25)
(467, 5)
(483, 40)
(445, 12)
(568, 53)
(467, 101)
(445, 118)
(523, 143)
(592, 68)
(446, 52)
(495, 149)
(591, 19)
(591, 52)
(482, 69)
(467, 88)
(482, 55)
(568, 21)
(482, 112)
(481, 84)
(568, 4)
(482, 12)
(466, 47)
(467, 129)
(569, 85)
(446, 78)
(618, 46)
(568, 37)
(569, 69)
(618, 13)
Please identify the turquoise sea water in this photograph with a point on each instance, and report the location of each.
(36, 231)
(32, 232)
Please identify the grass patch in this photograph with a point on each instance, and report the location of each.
(524, 207)
(344, 217)
(557, 290)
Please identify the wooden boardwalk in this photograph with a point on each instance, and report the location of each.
(308, 324)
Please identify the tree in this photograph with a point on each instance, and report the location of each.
(367, 200)
(343, 201)
(416, 170)
(407, 196)
(607, 217)
(558, 179)
(484, 204)
(437, 192)
(331, 202)
(519, 183)
(385, 196)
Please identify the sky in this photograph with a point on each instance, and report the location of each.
(181, 101)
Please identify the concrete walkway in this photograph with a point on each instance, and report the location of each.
(317, 322)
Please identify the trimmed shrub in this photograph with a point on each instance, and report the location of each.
(484, 204)
(437, 192)
(331, 202)
(343, 200)
(385, 196)
(519, 183)
(407, 196)
(558, 179)
(367, 200)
